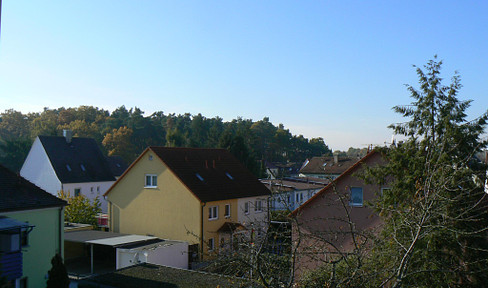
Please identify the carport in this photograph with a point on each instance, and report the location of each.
(103, 242)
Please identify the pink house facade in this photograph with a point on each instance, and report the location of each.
(336, 220)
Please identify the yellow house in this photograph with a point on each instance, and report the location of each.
(197, 195)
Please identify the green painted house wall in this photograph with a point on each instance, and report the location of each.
(45, 240)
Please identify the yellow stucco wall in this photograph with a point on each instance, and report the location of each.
(169, 211)
(211, 226)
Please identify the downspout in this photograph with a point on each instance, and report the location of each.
(61, 231)
(201, 233)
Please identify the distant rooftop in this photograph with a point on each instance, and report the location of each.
(328, 165)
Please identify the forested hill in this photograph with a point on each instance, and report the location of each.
(128, 132)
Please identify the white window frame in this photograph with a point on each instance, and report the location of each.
(246, 207)
(213, 213)
(351, 200)
(211, 244)
(153, 180)
(227, 211)
(258, 206)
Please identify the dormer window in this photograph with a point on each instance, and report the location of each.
(68, 167)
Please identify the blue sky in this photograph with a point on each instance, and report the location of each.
(331, 69)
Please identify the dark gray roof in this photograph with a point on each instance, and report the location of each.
(211, 174)
(79, 161)
(117, 165)
(16, 193)
(150, 275)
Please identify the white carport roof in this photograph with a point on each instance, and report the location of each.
(106, 238)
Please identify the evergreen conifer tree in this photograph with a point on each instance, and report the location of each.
(58, 276)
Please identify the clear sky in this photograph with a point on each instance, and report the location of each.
(331, 69)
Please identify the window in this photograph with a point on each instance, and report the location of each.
(151, 180)
(213, 212)
(258, 206)
(385, 190)
(77, 192)
(299, 197)
(211, 244)
(356, 197)
(246, 208)
(68, 167)
(91, 190)
(98, 188)
(229, 176)
(227, 211)
(82, 167)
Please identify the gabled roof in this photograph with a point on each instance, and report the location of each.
(16, 193)
(79, 161)
(327, 165)
(210, 174)
(332, 184)
(117, 165)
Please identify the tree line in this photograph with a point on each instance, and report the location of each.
(127, 132)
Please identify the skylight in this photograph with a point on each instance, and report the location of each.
(68, 167)
(199, 177)
(228, 175)
(82, 167)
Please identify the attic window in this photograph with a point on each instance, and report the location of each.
(150, 157)
(68, 167)
(82, 167)
(229, 176)
(199, 177)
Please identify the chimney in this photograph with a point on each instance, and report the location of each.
(68, 135)
(336, 159)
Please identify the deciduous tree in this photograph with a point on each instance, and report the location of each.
(80, 209)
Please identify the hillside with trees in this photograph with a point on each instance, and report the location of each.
(127, 132)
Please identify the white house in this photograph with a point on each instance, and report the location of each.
(289, 193)
(71, 164)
